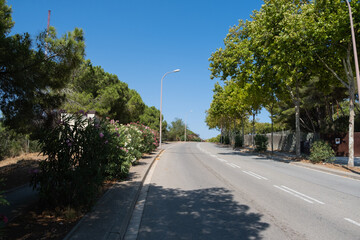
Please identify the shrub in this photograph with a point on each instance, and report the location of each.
(321, 151)
(261, 142)
(77, 152)
(13, 144)
(214, 139)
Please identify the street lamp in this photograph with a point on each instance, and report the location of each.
(354, 49)
(176, 70)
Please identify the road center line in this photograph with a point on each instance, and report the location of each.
(222, 160)
(258, 175)
(252, 175)
(301, 194)
(231, 165)
(294, 194)
(352, 221)
(236, 165)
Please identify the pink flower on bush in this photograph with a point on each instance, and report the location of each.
(101, 135)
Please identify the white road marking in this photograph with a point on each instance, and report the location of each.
(352, 221)
(301, 194)
(236, 165)
(252, 175)
(222, 160)
(231, 165)
(297, 194)
(258, 175)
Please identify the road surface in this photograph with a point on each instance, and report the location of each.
(206, 191)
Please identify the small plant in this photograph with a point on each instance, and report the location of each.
(321, 151)
(261, 142)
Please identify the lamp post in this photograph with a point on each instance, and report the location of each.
(176, 70)
(354, 49)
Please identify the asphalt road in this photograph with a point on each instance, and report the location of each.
(205, 191)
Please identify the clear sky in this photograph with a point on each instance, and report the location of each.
(141, 40)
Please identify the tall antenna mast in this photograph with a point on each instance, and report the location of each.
(47, 31)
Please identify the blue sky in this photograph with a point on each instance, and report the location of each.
(141, 40)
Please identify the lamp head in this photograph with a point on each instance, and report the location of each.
(176, 70)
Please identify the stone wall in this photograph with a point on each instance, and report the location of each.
(283, 141)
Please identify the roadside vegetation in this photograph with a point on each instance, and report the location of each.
(295, 59)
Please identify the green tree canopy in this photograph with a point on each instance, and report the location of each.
(32, 73)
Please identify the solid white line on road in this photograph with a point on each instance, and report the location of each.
(252, 175)
(301, 194)
(258, 175)
(352, 221)
(294, 194)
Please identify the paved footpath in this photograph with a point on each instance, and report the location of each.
(110, 216)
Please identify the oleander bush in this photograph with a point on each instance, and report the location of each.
(321, 151)
(77, 151)
(261, 142)
(82, 153)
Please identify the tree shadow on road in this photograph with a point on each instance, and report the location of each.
(208, 213)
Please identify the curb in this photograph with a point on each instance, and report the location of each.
(120, 233)
(132, 207)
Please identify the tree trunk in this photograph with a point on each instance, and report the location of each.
(351, 121)
(272, 130)
(351, 87)
(253, 135)
(297, 122)
(243, 131)
(351, 130)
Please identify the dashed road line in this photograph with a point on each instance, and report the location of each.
(231, 165)
(299, 195)
(252, 175)
(352, 221)
(255, 175)
(221, 160)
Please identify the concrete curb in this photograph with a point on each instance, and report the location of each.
(122, 232)
(114, 231)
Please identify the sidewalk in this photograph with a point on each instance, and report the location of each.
(110, 216)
